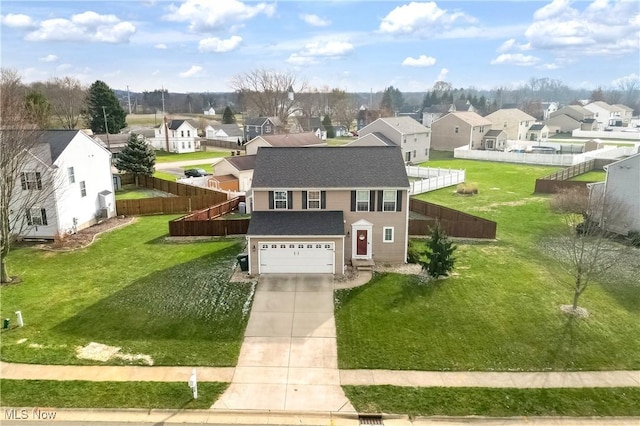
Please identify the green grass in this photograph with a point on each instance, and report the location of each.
(500, 309)
(132, 192)
(130, 289)
(85, 394)
(495, 402)
(592, 176)
(165, 176)
(169, 157)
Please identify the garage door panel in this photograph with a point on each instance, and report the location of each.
(298, 257)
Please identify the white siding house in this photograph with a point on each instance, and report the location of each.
(621, 188)
(64, 185)
(176, 136)
(405, 132)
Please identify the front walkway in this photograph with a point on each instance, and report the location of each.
(289, 358)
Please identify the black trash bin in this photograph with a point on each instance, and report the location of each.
(5, 323)
(243, 261)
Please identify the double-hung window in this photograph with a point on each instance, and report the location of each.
(72, 176)
(37, 217)
(389, 201)
(83, 189)
(280, 200)
(387, 234)
(31, 180)
(362, 201)
(313, 199)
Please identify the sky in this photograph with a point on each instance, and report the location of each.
(357, 46)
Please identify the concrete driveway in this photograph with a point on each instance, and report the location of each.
(288, 360)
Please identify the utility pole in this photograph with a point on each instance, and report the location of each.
(129, 99)
(106, 127)
(163, 99)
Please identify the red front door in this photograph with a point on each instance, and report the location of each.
(361, 242)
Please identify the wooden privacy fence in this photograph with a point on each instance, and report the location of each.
(204, 222)
(559, 180)
(188, 198)
(455, 223)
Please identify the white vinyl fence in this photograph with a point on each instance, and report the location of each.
(430, 179)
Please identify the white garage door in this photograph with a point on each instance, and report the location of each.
(298, 257)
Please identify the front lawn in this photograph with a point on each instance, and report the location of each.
(170, 157)
(495, 402)
(86, 394)
(171, 303)
(500, 309)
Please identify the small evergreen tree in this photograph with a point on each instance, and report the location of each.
(137, 157)
(439, 253)
(228, 117)
(326, 122)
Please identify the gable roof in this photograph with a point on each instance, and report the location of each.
(290, 139)
(257, 121)
(437, 109)
(537, 127)
(579, 109)
(603, 105)
(229, 129)
(623, 107)
(330, 167)
(494, 133)
(242, 162)
(384, 139)
(58, 140)
(405, 124)
(470, 117)
(512, 113)
(310, 124)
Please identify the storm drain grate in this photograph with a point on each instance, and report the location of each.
(370, 420)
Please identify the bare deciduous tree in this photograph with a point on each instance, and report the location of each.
(20, 140)
(586, 247)
(267, 93)
(67, 97)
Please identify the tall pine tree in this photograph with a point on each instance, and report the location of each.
(102, 102)
(137, 157)
(439, 253)
(326, 122)
(228, 117)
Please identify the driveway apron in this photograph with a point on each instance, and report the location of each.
(288, 360)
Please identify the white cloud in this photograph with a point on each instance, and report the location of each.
(17, 20)
(86, 26)
(317, 49)
(442, 75)
(626, 80)
(552, 66)
(296, 59)
(421, 19)
(515, 59)
(602, 28)
(206, 15)
(421, 61)
(48, 58)
(160, 46)
(217, 45)
(315, 20)
(63, 67)
(191, 72)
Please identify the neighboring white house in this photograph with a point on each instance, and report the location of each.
(176, 136)
(513, 121)
(405, 132)
(210, 111)
(621, 188)
(64, 185)
(606, 115)
(224, 132)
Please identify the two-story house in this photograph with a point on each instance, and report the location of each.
(456, 129)
(64, 185)
(259, 126)
(315, 210)
(513, 121)
(178, 136)
(626, 114)
(577, 112)
(413, 138)
(606, 115)
(538, 133)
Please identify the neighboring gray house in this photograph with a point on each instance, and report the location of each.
(258, 127)
(315, 210)
(577, 112)
(621, 189)
(405, 132)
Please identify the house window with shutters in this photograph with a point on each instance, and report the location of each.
(313, 199)
(31, 180)
(36, 217)
(362, 201)
(389, 201)
(280, 200)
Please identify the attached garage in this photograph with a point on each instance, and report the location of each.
(296, 242)
(296, 257)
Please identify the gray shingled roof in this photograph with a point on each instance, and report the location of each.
(405, 125)
(243, 162)
(293, 223)
(384, 139)
(330, 167)
(174, 124)
(493, 133)
(537, 127)
(257, 121)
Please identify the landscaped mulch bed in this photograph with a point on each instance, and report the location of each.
(86, 236)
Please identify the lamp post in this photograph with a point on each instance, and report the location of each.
(106, 127)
